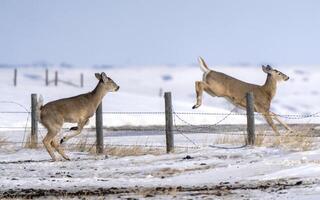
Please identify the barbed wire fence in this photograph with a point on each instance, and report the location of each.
(183, 126)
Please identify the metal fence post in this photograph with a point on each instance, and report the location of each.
(15, 74)
(99, 129)
(169, 122)
(34, 122)
(56, 78)
(81, 80)
(250, 118)
(47, 77)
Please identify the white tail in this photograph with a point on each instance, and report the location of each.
(203, 66)
(39, 105)
(221, 85)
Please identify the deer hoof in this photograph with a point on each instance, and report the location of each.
(67, 158)
(195, 106)
(73, 128)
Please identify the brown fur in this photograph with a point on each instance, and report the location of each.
(77, 109)
(221, 85)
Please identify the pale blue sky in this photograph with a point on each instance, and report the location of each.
(142, 32)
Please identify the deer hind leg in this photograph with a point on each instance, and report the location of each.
(77, 129)
(47, 143)
(59, 149)
(281, 122)
(199, 86)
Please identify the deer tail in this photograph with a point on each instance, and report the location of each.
(203, 66)
(39, 107)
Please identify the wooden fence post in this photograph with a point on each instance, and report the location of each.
(15, 74)
(56, 78)
(34, 122)
(47, 77)
(81, 80)
(99, 129)
(169, 122)
(250, 118)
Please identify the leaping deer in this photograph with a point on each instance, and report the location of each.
(77, 109)
(221, 85)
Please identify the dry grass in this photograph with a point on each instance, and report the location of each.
(3, 142)
(83, 145)
(28, 144)
(298, 141)
(230, 139)
(133, 151)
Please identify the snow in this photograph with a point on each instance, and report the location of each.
(140, 88)
(207, 166)
(22, 168)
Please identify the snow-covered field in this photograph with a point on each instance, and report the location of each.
(140, 88)
(247, 173)
(250, 172)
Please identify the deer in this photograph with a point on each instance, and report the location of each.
(77, 109)
(218, 84)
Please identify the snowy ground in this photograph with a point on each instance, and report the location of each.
(221, 174)
(202, 172)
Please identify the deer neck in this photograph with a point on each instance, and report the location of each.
(98, 93)
(270, 86)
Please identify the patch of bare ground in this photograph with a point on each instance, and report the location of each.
(168, 172)
(221, 189)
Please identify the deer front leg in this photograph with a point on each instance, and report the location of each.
(199, 86)
(281, 122)
(271, 123)
(77, 129)
(74, 128)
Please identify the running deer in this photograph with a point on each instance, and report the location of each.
(221, 85)
(77, 109)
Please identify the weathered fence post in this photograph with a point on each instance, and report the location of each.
(56, 78)
(99, 130)
(81, 80)
(47, 77)
(250, 118)
(169, 122)
(15, 74)
(34, 122)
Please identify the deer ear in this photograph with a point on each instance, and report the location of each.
(103, 74)
(98, 76)
(264, 69)
(104, 77)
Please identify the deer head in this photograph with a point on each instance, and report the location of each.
(277, 75)
(107, 83)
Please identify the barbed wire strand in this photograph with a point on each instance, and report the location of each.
(215, 124)
(287, 116)
(180, 132)
(26, 111)
(176, 115)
